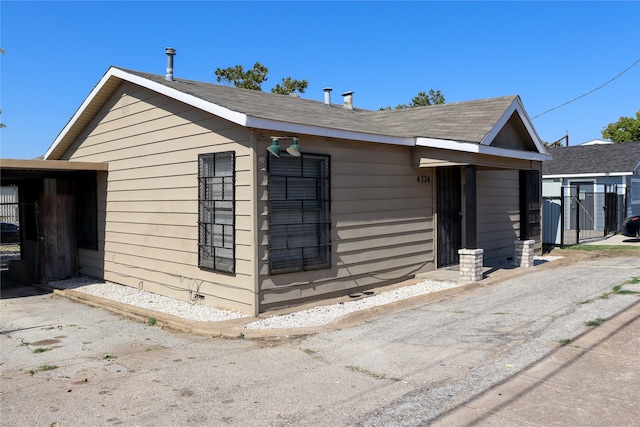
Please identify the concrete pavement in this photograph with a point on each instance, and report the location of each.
(592, 381)
(68, 364)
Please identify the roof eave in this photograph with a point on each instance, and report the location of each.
(586, 175)
(104, 89)
(471, 147)
(298, 129)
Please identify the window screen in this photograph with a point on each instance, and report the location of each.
(216, 213)
(299, 213)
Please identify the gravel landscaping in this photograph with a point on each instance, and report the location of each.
(316, 316)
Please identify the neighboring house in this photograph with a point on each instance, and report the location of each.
(584, 175)
(195, 206)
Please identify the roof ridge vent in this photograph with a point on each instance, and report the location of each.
(327, 95)
(171, 52)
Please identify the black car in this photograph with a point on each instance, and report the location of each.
(10, 232)
(631, 226)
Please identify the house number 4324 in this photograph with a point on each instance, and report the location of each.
(424, 179)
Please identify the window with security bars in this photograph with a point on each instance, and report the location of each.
(216, 213)
(299, 213)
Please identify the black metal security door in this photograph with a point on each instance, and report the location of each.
(449, 215)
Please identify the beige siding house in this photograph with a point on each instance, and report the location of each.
(195, 206)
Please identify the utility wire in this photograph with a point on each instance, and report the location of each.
(590, 92)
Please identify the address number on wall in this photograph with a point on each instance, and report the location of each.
(424, 179)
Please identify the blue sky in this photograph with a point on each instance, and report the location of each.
(546, 52)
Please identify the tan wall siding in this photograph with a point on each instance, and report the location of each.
(148, 221)
(382, 222)
(498, 223)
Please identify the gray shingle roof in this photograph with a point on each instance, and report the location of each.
(599, 158)
(460, 121)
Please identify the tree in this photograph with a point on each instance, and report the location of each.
(250, 79)
(290, 85)
(627, 129)
(253, 79)
(434, 97)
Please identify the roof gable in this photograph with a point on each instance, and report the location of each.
(469, 123)
(514, 136)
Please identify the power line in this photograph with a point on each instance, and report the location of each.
(591, 91)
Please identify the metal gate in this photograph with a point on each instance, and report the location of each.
(584, 211)
(449, 207)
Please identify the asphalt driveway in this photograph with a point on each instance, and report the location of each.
(68, 364)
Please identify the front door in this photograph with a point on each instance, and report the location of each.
(449, 206)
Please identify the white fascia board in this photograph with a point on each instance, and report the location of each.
(297, 129)
(78, 113)
(516, 105)
(225, 113)
(257, 122)
(587, 175)
(470, 147)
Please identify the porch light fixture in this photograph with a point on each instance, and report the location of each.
(294, 150)
(274, 148)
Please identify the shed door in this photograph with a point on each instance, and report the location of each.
(449, 207)
(57, 210)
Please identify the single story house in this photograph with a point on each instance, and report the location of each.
(590, 177)
(252, 201)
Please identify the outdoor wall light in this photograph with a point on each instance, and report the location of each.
(274, 148)
(294, 150)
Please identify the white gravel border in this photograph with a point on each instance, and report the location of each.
(145, 299)
(317, 316)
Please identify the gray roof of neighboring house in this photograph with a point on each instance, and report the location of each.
(467, 121)
(590, 159)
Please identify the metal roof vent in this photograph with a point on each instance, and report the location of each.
(348, 100)
(170, 54)
(327, 95)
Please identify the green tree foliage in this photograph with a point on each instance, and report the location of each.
(627, 129)
(238, 77)
(253, 79)
(290, 85)
(434, 97)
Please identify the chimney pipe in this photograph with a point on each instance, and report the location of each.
(348, 100)
(327, 95)
(170, 54)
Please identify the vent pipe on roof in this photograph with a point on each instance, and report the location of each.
(170, 54)
(327, 95)
(348, 100)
